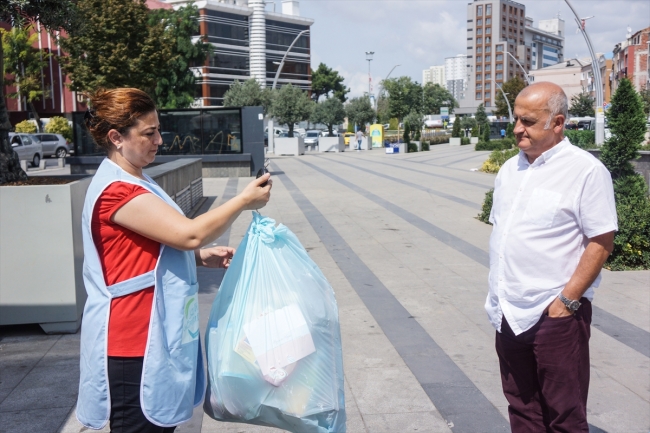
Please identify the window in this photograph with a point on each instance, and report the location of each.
(488, 40)
(488, 49)
(479, 86)
(478, 77)
(488, 21)
(488, 76)
(499, 67)
(479, 31)
(479, 50)
(488, 31)
(499, 48)
(499, 57)
(469, 39)
(488, 86)
(479, 22)
(479, 40)
(479, 59)
(479, 11)
(479, 68)
(479, 95)
(488, 58)
(487, 103)
(488, 9)
(488, 68)
(499, 76)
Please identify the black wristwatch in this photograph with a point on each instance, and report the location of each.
(571, 305)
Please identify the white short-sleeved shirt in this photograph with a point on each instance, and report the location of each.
(544, 214)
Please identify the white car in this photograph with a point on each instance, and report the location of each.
(27, 146)
(326, 133)
(311, 137)
(53, 145)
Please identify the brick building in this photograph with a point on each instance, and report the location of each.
(631, 60)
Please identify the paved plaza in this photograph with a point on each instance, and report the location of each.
(397, 237)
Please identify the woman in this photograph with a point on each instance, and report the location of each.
(141, 364)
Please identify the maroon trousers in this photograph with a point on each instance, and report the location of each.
(545, 373)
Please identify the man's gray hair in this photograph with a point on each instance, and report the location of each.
(557, 104)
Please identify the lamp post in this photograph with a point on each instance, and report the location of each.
(600, 115)
(505, 96)
(522, 68)
(369, 55)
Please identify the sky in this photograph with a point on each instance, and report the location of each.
(417, 34)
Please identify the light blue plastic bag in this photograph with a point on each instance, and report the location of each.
(273, 340)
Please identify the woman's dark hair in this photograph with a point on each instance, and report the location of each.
(117, 109)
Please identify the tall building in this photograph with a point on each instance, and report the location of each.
(497, 35)
(249, 39)
(435, 75)
(456, 75)
(547, 42)
(631, 60)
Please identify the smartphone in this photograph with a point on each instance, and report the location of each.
(261, 172)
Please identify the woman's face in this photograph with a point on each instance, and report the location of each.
(140, 143)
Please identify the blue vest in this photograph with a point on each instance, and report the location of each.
(173, 380)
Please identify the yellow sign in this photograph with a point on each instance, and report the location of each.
(377, 135)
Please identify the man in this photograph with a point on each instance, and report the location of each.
(359, 138)
(503, 133)
(554, 221)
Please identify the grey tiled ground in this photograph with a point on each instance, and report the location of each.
(442, 288)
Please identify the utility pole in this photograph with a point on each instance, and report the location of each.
(369, 55)
(598, 79)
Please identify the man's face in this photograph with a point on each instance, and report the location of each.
(531, 117)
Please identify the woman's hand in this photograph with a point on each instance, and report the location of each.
(255, 196)
(215, 257)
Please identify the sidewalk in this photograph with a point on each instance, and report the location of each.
(396, 237)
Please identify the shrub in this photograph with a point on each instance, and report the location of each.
(439, 139)
(59, 125)
(25, 127)
(425, 146)
(484, 216)
(464, 141)
(497, 158)
(393, 123)
(412, 147)
(455, 131)
(506, 143)
(510, 130)
(582, 139)
(407, 133)
(486, 133)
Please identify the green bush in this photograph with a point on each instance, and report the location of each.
(464, 141)
(439, 139)
(59, 125)
(455, 131)
(26, 127)
(486, 133)
(484, 216)
(412, 147)
(425, 146)
(393, 123)
(582, 139)
(506, 143)
(407, 133)
(497, 158)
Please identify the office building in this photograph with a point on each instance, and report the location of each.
(249, 39)
(547, 42)
(456, 75)
(435, 75)
(500, 46)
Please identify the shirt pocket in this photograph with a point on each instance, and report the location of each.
(542, 207)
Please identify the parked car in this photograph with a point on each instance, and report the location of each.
(53, 145)
(311, 137)
(27, 146)
(326, 133)
(346, 137)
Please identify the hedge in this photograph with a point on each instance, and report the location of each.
(582, 139)
(506, 143)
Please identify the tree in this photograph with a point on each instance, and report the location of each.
(416, 122)
(455, 131)
(59, 125)
(512, 88)
(627, 124)
(176, 83)
(291, 105)
(510, 130)
(359, 111)
(407, 133)
(481, 119)
(248, 94)
(24, 64)
(582, 105)
(325, 80)
(468, 123)
(404, 96)
(645, 97)
(329, 112)
(117, 47)
(383, 110)
(51, 14)
(26, 127)
(436, 96)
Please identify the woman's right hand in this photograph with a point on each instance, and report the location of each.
(256, 196)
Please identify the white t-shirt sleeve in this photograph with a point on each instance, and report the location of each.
(597, 206)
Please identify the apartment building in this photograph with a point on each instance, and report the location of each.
(250, 38)
(456, 75)
(500, 42)
(631, 60)
(435, 75)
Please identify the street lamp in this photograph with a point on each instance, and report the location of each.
(505, 96)
(522, 68)
(277, 73)
(600, 115)
(369, 55)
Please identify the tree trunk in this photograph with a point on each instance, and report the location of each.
(10, 170)
(37, 118)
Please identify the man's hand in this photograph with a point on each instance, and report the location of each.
(215, 257)
(557, 309)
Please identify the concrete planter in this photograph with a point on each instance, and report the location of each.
(331, 144)
(41, 277)
(454, 141)
(418, 144)
(473, 140)
(364, 144)
(289, 146)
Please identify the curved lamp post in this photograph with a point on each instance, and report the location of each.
(522, 68)
(598, 81)
(505, 96)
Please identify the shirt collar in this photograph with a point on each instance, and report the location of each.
(546, 156)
